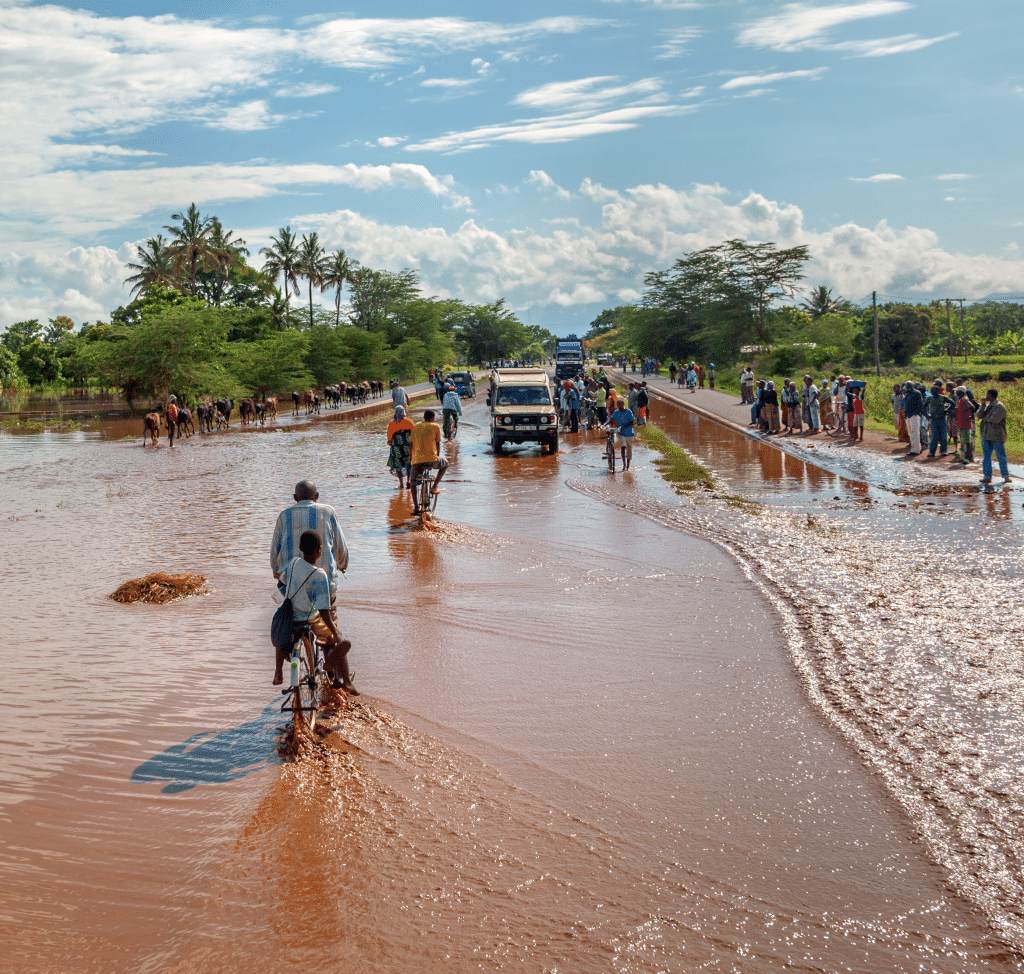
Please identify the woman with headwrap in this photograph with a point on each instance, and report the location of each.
(770, 410)
(825, 403)
(400, 441)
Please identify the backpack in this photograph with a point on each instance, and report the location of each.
(283, 623)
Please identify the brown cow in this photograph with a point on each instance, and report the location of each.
(151, 428)
(270, 407)
(309, 400)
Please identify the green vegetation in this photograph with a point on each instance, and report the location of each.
(205, 323)
(675, 464)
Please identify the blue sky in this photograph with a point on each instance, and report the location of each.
(550, 155)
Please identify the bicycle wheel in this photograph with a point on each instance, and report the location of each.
(307, 693)
(611, 454)
(426, 483)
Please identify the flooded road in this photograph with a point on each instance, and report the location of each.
(593, 735)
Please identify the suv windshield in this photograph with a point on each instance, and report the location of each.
(524, 396)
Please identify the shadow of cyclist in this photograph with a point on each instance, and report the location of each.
(212, 758)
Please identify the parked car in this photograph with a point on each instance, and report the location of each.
(465, 384)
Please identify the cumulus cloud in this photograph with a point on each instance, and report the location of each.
(599, 259)
(542, 180)
(800, 26)
(390, 141)
(750, 80)
(882, 177)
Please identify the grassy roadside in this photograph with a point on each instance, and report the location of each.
(675, 464)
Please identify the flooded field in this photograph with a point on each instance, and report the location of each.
(603, 728)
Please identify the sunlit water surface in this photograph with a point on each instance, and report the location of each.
(603, 728)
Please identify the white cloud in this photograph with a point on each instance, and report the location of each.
(585, 94)
(481, 66)
(448, 82)
(948, 199)
(542, 180)
(755, 93)
(671, 4)
(73, 151)
(390, 141)
(801, 27)
(602, 259)
(678, 41)
(309, 90)
(882, 177)
(749, 80)
(950, 176)
(78, 201)
(552, 128)
(250, 116)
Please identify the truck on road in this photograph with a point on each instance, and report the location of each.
(568, 357)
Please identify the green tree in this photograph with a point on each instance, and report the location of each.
(189, 249)
(10, 374)
(21, 333)
(311, 265)
(39, 363)
(276, 363)
(282, 260)
(491, 331)
(57, 329)
(372, 295)
(821, 303)
(337, 272)
(903, 330)
(154, 267)
(225, 253)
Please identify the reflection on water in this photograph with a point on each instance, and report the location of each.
(587, 751)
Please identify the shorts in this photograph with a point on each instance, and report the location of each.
(625, 442)
(417, 468)
(857, 419)
(317, 626)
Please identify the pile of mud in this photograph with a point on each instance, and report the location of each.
(160, 588)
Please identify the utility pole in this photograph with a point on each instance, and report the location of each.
(949, 332)
(874, 305)
(963, 327)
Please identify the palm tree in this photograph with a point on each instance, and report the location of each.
(226, 251)
(822, 303)
(311, 265)
(155, 266)
(337, 271)
(190, 246)
(278, 308)
(282, 260)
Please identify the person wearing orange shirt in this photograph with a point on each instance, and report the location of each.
(400, 440)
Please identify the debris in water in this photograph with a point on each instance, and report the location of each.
(159, 587)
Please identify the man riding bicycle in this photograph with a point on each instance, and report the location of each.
(426, 455)
(308, 588)
(451, 407)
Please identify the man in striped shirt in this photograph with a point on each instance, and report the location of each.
(307, 515)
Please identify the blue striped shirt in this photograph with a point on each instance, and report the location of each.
(309, 516)
(452, 401)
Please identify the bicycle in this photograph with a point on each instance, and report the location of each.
(610, 446)
(428, 499)
(588, 413)
(451, 427)
(302, 695)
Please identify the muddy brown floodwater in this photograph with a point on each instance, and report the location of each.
(602, 728)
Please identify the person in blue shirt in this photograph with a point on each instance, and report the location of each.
(572, 398)
(623, 419)
(451, 406)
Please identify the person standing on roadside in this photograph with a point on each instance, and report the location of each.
(913, 411)
(600, 404)
(572, 400)
(398, 395)
(171, 416)
(809, 405)
(992, 416)
(747, 385)
(965, 410)
(643, 402)
(939, 406)
(632, 396)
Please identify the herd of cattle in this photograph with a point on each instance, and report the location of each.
(253, 410)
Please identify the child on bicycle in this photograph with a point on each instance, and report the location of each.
(310, 592)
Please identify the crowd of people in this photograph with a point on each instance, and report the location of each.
(835, 406)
